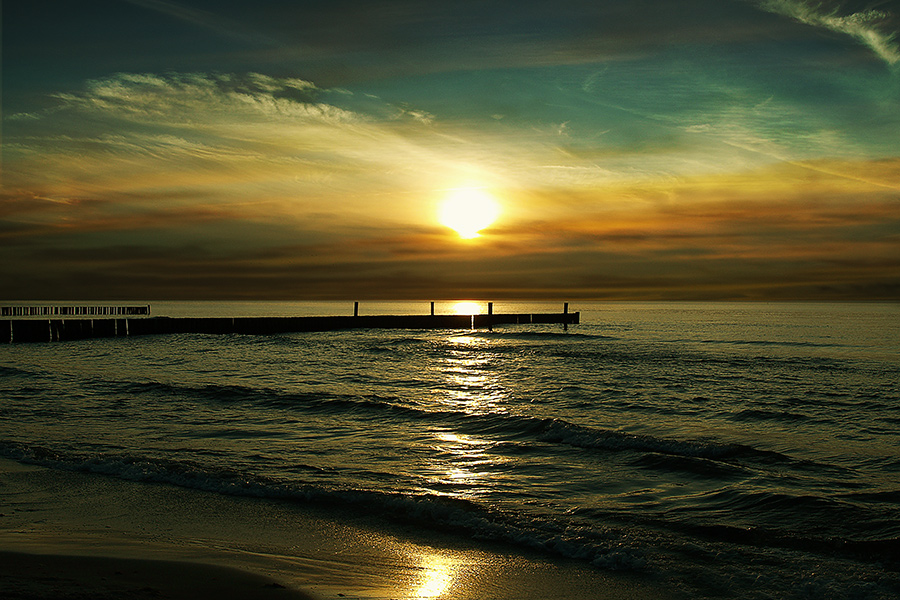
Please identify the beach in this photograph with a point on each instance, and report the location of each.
(32, 576)
(74, 536)
(742, 451)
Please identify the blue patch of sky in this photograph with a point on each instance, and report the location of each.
(790, 94)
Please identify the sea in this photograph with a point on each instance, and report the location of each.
(728, 450)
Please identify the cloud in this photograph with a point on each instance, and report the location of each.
(206, 185)
(870, 27)
(193, 125)
(190, 98)
(137, 147)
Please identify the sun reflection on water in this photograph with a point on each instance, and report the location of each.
(437, 576)
(462, 465)
(471, 381)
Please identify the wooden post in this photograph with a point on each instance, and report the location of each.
(356, 309)
(565, 319)
(432, 309)
(490, 312)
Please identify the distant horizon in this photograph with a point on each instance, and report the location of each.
(572, 302)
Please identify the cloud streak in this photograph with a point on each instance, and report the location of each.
(869, 27)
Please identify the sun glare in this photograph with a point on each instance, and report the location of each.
(468, 210)
(437, 577)
(466, 308)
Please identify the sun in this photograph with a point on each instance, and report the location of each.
(466, 308)
(468, 210)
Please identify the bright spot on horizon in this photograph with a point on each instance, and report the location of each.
(468, 210)
(466, 308)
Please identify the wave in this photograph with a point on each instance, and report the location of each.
(537, 336)
(692, 466)
(756, 415)
(602, 544)
(504, 426)
(29, 372)
(559, 431)
(783, 343)
(441, 513)
(879, 549)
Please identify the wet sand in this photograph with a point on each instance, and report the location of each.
(37, 576)
(73, 535)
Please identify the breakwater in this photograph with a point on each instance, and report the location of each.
(59, 329)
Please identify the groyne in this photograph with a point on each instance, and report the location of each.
(57, 329)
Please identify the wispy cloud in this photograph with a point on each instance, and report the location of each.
(870, 27)
(307, 154)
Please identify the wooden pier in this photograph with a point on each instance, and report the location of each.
(79, 326)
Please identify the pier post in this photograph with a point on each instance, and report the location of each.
(432, 309)
(356, 309)
(565, 319)
(490, 314)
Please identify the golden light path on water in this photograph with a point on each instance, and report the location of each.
(461, 466)
(438, 574)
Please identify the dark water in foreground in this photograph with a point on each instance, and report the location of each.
(732, 450)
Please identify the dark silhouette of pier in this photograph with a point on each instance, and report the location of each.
(74, 311)
(112, 323)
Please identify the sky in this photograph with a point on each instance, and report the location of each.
(279, 150)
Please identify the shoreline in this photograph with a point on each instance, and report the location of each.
(27, 576)
(75, 535)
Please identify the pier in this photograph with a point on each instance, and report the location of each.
(116, 324)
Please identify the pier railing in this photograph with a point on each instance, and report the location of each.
(74, 311)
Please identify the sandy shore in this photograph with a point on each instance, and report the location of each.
(84, 536)
(43, 576)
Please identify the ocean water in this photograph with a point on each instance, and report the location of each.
(727, 450)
